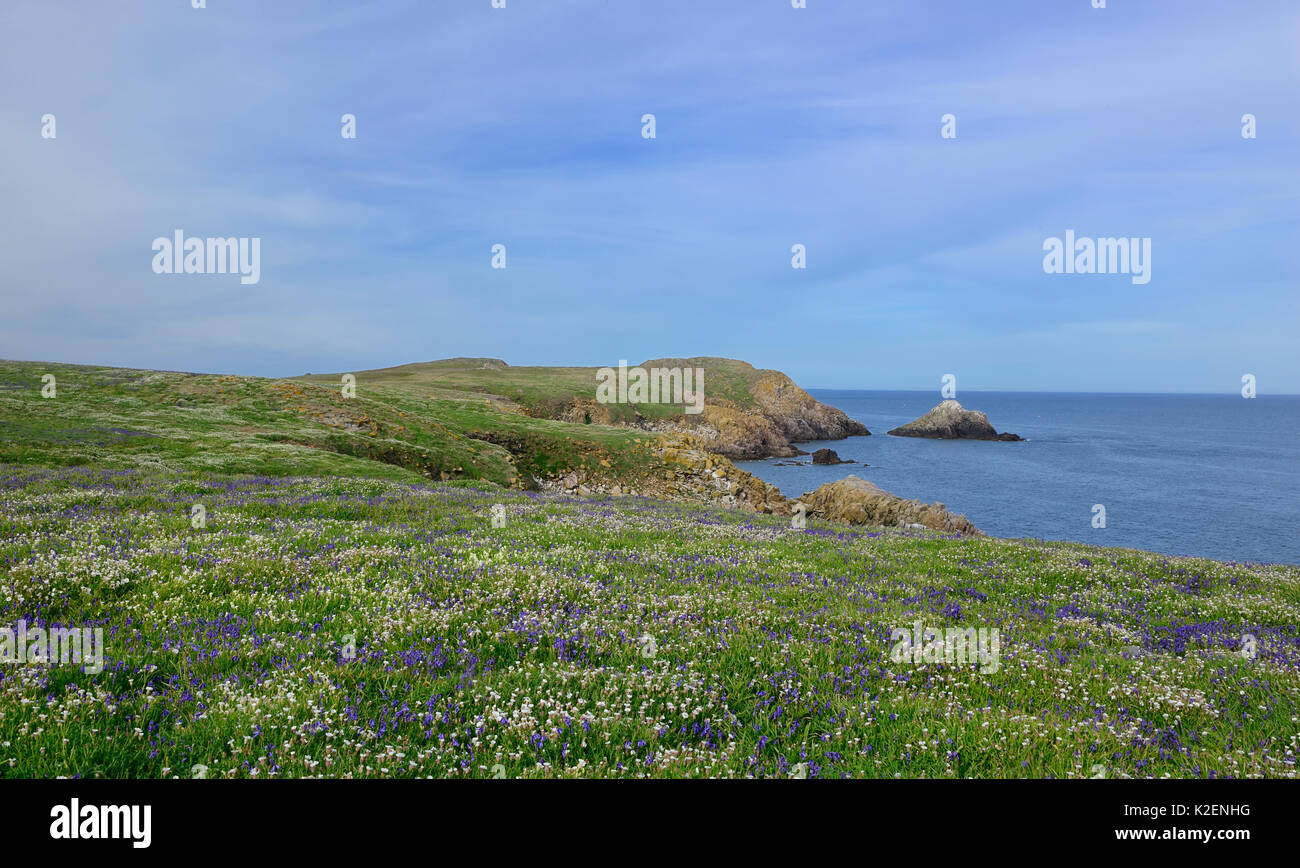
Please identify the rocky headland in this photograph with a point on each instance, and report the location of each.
(749, 413)
(542, 428)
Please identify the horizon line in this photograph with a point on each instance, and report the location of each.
(1053, 392)
(805, 388)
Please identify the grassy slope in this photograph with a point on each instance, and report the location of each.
(525, 644)
(231, 425)
(540, 391)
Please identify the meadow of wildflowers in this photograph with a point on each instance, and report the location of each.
(360, 627)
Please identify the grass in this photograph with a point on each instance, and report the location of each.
(542, 391)
(346, 612)
(118, 418)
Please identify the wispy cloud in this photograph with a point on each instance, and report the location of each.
(775, 126)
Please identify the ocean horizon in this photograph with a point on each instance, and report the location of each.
(1183, 474)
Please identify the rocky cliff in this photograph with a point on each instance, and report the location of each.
(748, 412)
(853, 500)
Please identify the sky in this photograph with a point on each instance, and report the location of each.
(774, 126)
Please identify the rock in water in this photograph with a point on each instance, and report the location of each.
(828, 456)
(949, 421)
(854, 500)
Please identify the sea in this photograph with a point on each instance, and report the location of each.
(1213, 476)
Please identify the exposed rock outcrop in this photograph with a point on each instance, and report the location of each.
(748, 413)
(950, 421)
(828, 456)
(799, 416)
(854, 500)
(778, 415)
(676, 468)
(681, 468)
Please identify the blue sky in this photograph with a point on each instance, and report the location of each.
(775, 126)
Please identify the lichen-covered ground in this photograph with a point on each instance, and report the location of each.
(614, 638)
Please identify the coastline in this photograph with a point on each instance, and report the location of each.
(1220, 488)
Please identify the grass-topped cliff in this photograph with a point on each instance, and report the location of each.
(747, 413)
(521, 427)
(458, 418)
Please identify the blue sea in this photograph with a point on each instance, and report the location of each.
(1210, 475)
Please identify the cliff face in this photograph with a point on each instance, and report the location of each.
(798, 415)
(751, 413)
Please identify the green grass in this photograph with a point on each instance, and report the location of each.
(525, 650)
(119, 418)
(543, 391)
(525, 647)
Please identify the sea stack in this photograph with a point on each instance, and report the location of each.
(950, 421)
